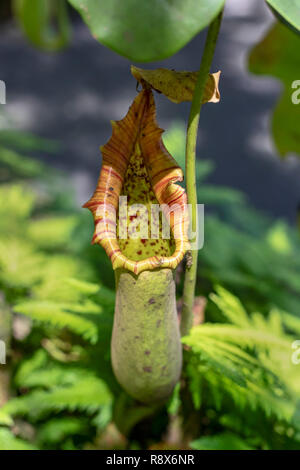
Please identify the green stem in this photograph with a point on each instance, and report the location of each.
(191, 142)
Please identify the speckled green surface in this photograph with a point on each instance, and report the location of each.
(146, 348)
(138, 190)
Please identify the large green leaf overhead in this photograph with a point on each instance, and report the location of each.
(44, 22)
(288, 11)
(278, 55)
(146, 30)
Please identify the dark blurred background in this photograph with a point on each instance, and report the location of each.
(71, 96)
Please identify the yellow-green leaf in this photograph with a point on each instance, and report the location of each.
(178, 86)
(287, 11)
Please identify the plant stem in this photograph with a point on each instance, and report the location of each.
(191, 143)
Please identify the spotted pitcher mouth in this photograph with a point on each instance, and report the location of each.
(138, 174)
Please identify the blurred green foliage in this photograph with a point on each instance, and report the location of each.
(240, 389)
(45, 23)
(278, 55)
(140, 31)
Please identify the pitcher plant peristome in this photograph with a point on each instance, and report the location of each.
(137, 165)
(146, 349)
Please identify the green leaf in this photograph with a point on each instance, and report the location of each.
(288, 11)
(219, 195)
(178, 86)
(52, 232)
(17, 200)
(20, 265)
(9, 442)
(27, 367)
(51, 376)
(224, 441)
(83, 287)
(87, 394)
(248, 361)
(36, 19)
(145, 31)
(278, 55)
(230, 306)
(14, 164)
(174, 402)
(5, 419)
(54, 275)
(58, 429)
(59, 316)
(28, 142)
(291, 322)
(278, 238)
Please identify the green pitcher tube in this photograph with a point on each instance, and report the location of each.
(145, 348)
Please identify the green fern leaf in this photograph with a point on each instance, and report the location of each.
(224, 441)
(88, 394)
(56, 315)
(9, 442)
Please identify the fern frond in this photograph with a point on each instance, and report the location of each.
(20, 264)
(291, 322)
(51, 232)
(88, 394)
(5, 419)
(223, 441)
(242, 337)
(28, 366)
(245, 362)
(16, 165)
(230, 306)
(60, 316)
(57, 430)
(18, 200)
(8, 441)
(51, 377)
